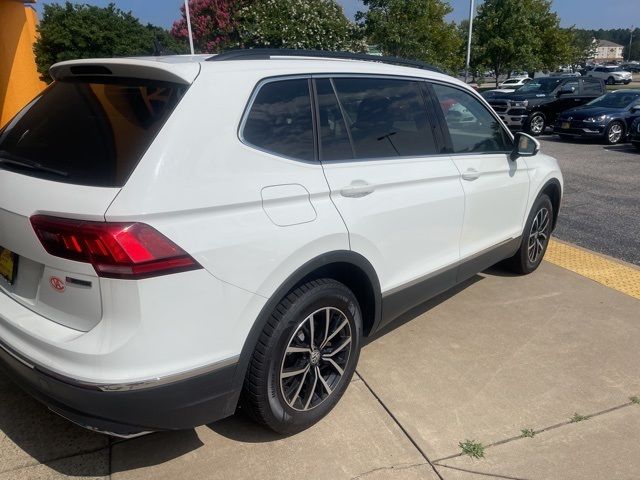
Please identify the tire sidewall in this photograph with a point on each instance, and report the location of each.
(284, 418)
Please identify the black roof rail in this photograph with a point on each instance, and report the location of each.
(267, 53)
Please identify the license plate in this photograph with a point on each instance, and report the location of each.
(566, 125)
(8, 265)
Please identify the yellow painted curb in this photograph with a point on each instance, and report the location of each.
(620, 277)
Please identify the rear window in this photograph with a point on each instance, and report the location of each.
(88, 132)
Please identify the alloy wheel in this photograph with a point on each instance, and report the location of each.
(537, 124)
(539, 235)
(315, 359)
(615, 133)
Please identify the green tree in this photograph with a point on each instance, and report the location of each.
(73, 31)
(299, 24)
(522, 35)
(414, 29)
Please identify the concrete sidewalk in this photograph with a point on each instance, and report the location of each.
(497, 355)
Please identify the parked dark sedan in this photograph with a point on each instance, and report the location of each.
(609, 117)
(634, 135)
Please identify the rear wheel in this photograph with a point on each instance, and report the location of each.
(305, 357)
(535, 238)
(614, 133)
(536, 123)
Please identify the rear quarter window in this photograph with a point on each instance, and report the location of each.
(88, 132)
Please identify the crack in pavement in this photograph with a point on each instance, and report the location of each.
(542, 430)
(397, 422)
(492, 475)
(56, 459)
(400, 466)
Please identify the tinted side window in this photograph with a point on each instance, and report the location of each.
(473, 129)
(334, 138)
(575, 84)
(386, 117)
(591, 87)
(280, 119)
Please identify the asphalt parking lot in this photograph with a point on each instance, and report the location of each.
(601, 205)
(553, 354)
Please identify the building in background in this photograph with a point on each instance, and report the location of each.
(19, 78)
(607, 51)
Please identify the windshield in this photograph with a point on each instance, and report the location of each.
(509, 82)
(619, 99)
(88, 132)
(540, 85)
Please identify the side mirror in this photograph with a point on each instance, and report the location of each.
(566, 91)
(635, 108)
(525, 146)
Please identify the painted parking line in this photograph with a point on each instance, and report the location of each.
(622, 277)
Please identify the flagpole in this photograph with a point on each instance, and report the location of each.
(466, 73)
(186, 12)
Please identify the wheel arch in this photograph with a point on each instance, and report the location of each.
(553, 189)
(348, 267)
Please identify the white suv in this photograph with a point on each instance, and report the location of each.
(611, 75)
(181, 234)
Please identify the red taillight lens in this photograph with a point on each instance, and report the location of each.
(116, 250)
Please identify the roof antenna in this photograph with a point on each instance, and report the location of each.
(186, 12)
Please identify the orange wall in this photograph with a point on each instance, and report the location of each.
(19, 79)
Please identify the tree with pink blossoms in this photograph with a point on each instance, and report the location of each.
(212, 24)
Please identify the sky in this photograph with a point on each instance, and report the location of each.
(592, 14)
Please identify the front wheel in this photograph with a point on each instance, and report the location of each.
(535, 238)
(627, 82)
(305, 357)
(611, 81)
(536, 124)
(614, 133)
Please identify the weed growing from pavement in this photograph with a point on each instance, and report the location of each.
(528, 432)
(472, 448)
(635, 399)
(578, 418)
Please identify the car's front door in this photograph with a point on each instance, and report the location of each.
(398, 192)
(496, 188)
(567, 95)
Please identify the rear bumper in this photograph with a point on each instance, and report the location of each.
(179, 405)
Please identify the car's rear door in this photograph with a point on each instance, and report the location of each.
(398, 193)
(496, 188)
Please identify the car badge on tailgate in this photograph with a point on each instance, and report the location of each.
(57, 284)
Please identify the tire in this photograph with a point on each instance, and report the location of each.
(535, 238)
(289, 404)
(536, 124)
(611, 81)
(627, 82)
(614, 133)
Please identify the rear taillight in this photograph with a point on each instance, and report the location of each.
(116, 250)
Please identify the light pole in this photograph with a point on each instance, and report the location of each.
(186, 12)
(630, 43)
(466, 72)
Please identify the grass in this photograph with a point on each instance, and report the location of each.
(472, 448)
(635, 399)
(528, 432)
(578, 418)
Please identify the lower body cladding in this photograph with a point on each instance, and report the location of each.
(179, 405)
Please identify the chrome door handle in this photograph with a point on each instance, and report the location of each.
(471, 174)
(357, 189)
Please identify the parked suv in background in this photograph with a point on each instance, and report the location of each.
(611, 75)
(535, 106)
(179, 234)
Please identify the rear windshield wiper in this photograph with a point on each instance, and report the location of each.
(7, 158)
